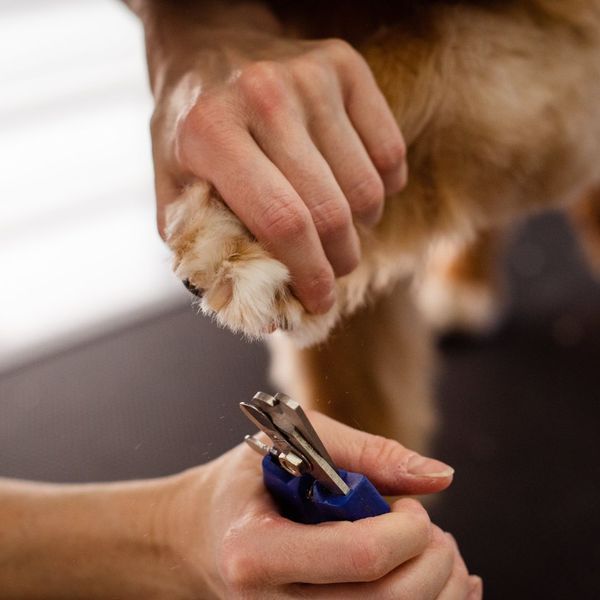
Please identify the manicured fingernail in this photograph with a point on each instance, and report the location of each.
(422, 466)
(476, 589)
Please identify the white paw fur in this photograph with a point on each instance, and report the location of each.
(244, 288)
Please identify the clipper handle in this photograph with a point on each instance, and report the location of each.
(304, 500)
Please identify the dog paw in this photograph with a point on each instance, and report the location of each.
(236, 280)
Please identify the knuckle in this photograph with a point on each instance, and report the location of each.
(312, 74)
(263, 87)
(201, 119)
(260, 76)
(339, 49)
(332, 221)
(444, 546)
(205, 123)
(368, 561)
(237, 567)
(390, 155)
(283, 221)
(379, 450)
(419, 521)
(439, 538)
(419, 518)
(416, 508)
(202, 124)
(366, 197)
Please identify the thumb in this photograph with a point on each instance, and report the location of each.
(392, 468)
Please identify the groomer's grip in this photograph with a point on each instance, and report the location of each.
(303, 500)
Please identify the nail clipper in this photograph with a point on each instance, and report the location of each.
(298, 471)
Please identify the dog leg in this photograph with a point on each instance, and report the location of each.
(461, 287)
(373, 372)
(585, 216)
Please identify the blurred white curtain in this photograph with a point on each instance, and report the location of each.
(79, 250)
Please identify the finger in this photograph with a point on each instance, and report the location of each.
(422, 578)
(364, 550)
(257, 192)
(286, 142)
(458, 586)
(345, 153)
(372, 118)
(166, 186)
(167, 191)
(476, 589)
(391, 467)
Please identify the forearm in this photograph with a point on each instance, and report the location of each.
(87, 541)
(184, 34)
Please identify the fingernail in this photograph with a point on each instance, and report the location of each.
(476, 589)
(422, 466)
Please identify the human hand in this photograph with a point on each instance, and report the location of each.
(295, 136)
(232, 543)
(213, 532)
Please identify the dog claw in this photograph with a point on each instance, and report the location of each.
(270, 328)
(192, 288)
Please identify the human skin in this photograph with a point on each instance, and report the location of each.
(213, 532)
(295, 135)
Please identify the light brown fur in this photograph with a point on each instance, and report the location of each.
(500, 107)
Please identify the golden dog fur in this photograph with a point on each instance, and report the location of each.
(499, 103)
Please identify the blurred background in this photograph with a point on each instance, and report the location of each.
(107, 373)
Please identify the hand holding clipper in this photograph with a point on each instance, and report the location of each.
(298, 471)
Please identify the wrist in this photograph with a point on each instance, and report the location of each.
(198, 36)
(89, 541)
(188, 519)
